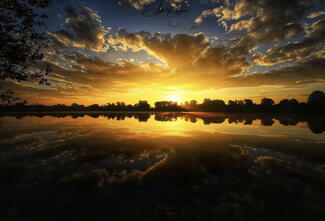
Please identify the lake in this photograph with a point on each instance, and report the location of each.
(161, 166)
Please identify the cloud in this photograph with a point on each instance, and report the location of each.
(82, 29)
(190, 53)
(203, 15)
(310, 46)
(272, 21)
(192, 62)
(217, 67)
(78, 76)
(82, 78)
(305, 72)
(265, 21)
(100, 74)
(227, 59)
(316, 14)
(177, 51)
(137, 4)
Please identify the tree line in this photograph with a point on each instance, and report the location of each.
(315, 104)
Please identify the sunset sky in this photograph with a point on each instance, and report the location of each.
(108, 51)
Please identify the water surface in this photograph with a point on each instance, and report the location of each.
(162, 166)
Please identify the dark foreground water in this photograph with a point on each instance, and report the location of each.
(166, 166)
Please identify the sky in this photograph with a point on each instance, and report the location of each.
(129, 50)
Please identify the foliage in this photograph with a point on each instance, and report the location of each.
(8, 98)
(21, 44)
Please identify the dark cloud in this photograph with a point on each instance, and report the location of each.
(306, 72)
(227, 59)
(266, 21)
(311, 46)
(138, 4)
(82, 29)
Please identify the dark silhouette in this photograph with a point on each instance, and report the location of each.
(167, 106)
(316, 101)
(316, 123)
(8, 98)
(316, 98)
(315, 104)
(143, 105)
(21, 44)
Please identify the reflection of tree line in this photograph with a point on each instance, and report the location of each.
(315, 123)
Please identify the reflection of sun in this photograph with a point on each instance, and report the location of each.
(174, 98)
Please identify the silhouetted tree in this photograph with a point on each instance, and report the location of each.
(316, 104)
(143, 105)
(267, 121)
(266, 105)
(8, 98)
(248, 102)
(288, 105)
(267, 102)
(193, 102)
(21, 43)
(316, 98)
(77, 107)
(293, 102)
(93, 107)
(284, 102)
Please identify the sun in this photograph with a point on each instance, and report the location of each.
(174, 98)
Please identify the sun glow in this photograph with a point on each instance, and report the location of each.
(174, 98)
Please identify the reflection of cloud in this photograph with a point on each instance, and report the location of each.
(315, 14)
(315, 123)
(260, 153)
(123, 177)
(92, 180)
(111, 164)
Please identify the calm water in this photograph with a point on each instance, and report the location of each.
(166, 166)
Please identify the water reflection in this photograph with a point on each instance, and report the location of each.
(315, 123)
(176, 166)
